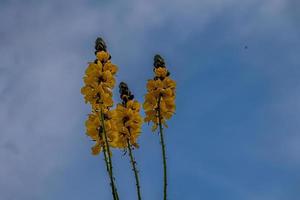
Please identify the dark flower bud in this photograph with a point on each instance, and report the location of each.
(100, 45)
(131, 97)
(158, 61)
(125, 93)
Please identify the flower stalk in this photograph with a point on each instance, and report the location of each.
(163, 148)
(108, 160)
(114, 193)
(160, 106)
(99, 82)
(134, 169)
(129, 121)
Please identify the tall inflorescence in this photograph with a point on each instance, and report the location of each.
(127, 118)
(99, 82)
(129, 121)
(159, 106)
(160, 95)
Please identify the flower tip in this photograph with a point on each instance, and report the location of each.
(100, 45)
(123, 85)
(125, 93)
(158, 61)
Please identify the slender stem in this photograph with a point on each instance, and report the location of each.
(134, 169)
(107, 167)
(163, 147)
(113, 186)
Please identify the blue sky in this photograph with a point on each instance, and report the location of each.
(235, 135)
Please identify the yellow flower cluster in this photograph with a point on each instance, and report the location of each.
(99, 81)
(95, 130)
(160, 97)
(128, 121)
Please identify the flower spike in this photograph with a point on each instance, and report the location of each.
(128, 121)
(159, 105)
(99, 82)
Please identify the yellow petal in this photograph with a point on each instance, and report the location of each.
(102, 56)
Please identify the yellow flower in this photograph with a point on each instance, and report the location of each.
(96, 149)
(92, 126)
(102, 56)
(160, 97)
(99, 81)
(110, 67)
(169, 83)
(153, 85)
(95, 130)
(161, 72)
(128, 121)
(93, 68)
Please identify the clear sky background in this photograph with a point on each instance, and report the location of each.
(235, 135)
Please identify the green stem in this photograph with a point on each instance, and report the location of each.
(163, 147)
(110, 170)
(134, 169)
(107, 167)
